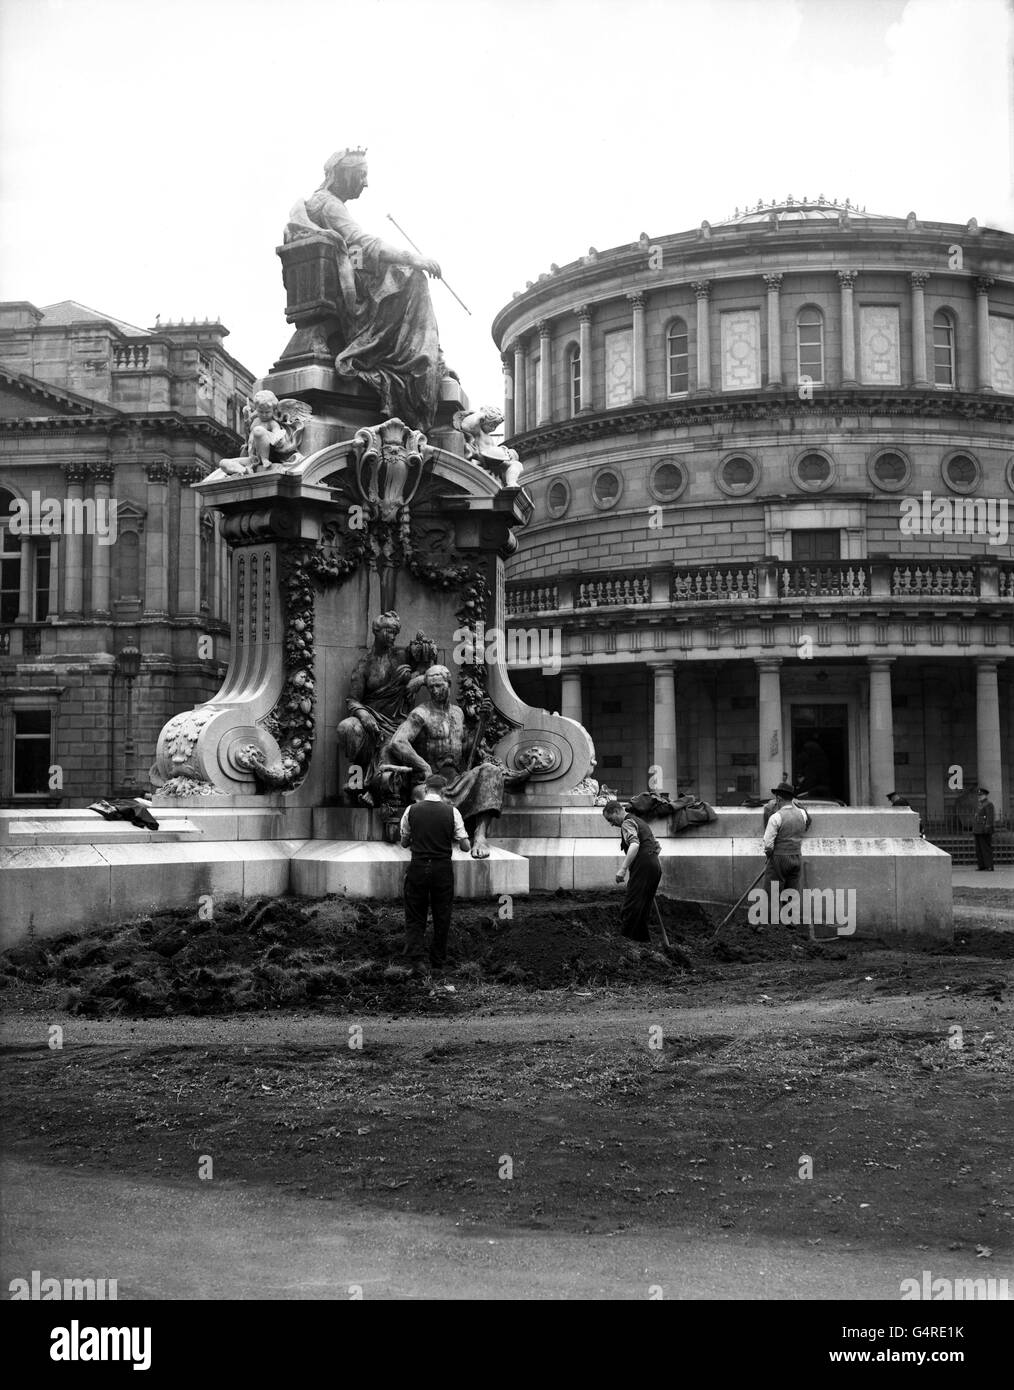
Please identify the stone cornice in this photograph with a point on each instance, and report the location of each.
(198, 427)
(766, 405)
(626, 266)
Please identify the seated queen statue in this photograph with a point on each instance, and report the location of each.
(388, 322)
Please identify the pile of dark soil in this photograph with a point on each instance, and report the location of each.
(284, 953)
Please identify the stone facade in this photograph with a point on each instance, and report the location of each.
(111, 619)
(734, 424)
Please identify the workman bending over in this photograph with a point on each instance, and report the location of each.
(641, 862)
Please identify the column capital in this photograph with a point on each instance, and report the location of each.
(507, 358)
(984, 283)
(767, 663)
(101, 472)
(75, 473)
(543, 328)
(584, 313)
(637, 298)
(880, 663)
(519, 347)
(569, 672)
(847, 278)
(988, 663)
(661, 667)
(158, 471)
(774, 282)
(189, 473)
(701, 288)
(919, 279)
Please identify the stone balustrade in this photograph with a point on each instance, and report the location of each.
(525, 598)
(613, 591)
(841, 580)
(130, 357)
(767, 581)
(712, 582)
(957, 581)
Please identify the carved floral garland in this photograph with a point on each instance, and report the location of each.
(291, 723)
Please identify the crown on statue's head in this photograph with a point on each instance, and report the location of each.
(343, 157)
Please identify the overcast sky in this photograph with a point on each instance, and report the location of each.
(150, 151)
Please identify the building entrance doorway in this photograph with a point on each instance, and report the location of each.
(820, 750)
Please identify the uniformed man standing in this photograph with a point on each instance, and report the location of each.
(982, 829)
(641, 862)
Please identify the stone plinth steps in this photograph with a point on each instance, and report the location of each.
(69, 870)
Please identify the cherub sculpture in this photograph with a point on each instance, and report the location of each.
(485, 450)
(272, 443)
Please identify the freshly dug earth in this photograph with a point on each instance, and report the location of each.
(572, 1082)
(286, 953)
(278, 952)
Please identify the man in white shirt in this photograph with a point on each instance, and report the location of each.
(430, 828)
(783, 839)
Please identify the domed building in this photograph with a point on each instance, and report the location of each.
(772, 467)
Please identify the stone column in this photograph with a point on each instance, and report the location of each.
(984, 366)
(508, 394)
(102, 475)
(774, 284)
(188, 594)
(520, 388)
(664, 746)
(584, 317)
(544, 405)
(846, 279)
(989, 761)
(73, 546)
(918, 279)
(156, 586)
(702, 289)
(770, 755)
(26, 575)
(881, 730)
(637, 302)
(570, 695)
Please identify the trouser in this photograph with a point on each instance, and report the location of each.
(428, 886)
(984, 851)
(642, 883)
(783, 869)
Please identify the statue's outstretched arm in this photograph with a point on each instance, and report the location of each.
(335, 215)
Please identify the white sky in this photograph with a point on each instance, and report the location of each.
(150, 151)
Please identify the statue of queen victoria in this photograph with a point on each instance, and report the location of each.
(386, 315)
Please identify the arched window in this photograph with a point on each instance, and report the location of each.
(810, 343)
(574, 377)
(128, 567)
(677, 353)
(10, 562)
(943, 349)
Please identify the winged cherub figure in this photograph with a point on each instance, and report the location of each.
(272, 442)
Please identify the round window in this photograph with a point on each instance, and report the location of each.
(814, 469)
(606, 488)
(559, 497)
(961, 472)
(668, 480)
(737, 475)
(890, 471)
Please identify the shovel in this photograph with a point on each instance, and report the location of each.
(741, 902)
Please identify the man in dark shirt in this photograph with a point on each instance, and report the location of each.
(641, 860)
(982, 829)
(430, 828)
